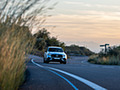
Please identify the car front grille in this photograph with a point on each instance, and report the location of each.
(56, 55)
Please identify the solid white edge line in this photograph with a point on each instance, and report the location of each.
(56, 74)
(89, 83)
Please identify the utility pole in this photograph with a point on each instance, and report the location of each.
(105, 47)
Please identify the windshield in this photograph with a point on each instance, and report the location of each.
(55, 50)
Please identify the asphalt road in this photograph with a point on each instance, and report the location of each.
(77, 74)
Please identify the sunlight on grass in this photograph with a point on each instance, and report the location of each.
(15, 42)
(105, 60)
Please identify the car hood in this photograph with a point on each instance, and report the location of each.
(62, 53)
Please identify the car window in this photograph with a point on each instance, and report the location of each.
(55, 50)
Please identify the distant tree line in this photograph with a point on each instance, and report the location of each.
(43, 40)
(77, 50)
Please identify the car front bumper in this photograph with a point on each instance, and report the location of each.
(56, 59)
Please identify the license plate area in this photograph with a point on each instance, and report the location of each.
(56, 58)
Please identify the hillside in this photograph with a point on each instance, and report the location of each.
(77, 50)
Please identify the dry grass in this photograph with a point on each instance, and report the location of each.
(105, 60)
(93, 58)
(15, 42)
(37, 52)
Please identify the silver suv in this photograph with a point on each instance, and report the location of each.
(55, 54)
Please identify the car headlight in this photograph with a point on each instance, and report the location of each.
(63, 55)
(49, 54)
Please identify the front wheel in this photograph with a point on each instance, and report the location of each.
(64, 62)
(45, 61)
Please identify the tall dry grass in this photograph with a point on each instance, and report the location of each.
(15, 42)
(105, 60)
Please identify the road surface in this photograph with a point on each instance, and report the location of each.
(77, 74)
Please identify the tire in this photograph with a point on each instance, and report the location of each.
(44, 60)
(61, 62)
(47, 62)
(64, 62)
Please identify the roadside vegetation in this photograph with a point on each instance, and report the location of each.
(76, 50)
(17, 18)
(112, 57)
(15, 43)
(43, 40)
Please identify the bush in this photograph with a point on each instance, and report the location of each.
(112, 57)
(93, 59)
(105, 60)
(114, 60)
(77, 50)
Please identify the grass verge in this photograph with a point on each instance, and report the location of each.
(105, 60)
(15, 42)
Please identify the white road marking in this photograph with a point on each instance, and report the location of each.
(57, 75)
(89, 83)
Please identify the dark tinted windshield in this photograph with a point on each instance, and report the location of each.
(55, 50)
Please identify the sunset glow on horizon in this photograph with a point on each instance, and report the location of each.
(86, 22)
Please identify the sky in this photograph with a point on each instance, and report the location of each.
(88, 23)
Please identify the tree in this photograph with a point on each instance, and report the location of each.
(43, 33)
(43, 40)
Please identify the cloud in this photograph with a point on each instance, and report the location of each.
(77, 3)
(81, 26)
(92, 5)
(89, 28)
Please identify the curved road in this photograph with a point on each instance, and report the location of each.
(77, 74)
